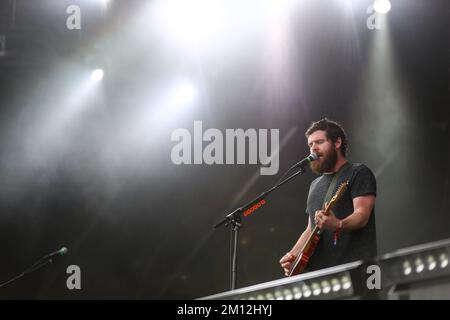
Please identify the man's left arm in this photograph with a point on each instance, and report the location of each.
(362, 206)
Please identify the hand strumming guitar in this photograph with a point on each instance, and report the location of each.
(286, 262)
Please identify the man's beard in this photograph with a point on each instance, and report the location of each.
(329, 161)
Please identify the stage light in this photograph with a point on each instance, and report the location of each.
(326, 288)
(431, 263)
(406, 268)
(330, 283)
(444, 260)
(316, 290)
(269, 296)
(419, 265)
(382, 6)
(185, 93)
(297, 293)
(306, 291)
(346, 283)
(279, 295)
(288, 294)
(97, 75)
(336, 285)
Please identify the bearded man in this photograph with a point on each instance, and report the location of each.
(348, 233)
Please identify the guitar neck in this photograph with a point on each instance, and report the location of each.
(316, 231)
(328, 208)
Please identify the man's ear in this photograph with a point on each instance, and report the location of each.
(338, 143)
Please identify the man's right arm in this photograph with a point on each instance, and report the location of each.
(289, 257)
(295, 251)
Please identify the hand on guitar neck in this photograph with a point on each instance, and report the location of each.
(326, 221)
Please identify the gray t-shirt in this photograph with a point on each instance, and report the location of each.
(351, 245)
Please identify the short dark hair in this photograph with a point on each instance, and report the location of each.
(333, 130)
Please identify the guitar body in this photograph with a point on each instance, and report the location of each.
(302, 260)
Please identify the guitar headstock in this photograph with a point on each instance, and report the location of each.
(340, 191)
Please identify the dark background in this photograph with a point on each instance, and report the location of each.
(100, 179)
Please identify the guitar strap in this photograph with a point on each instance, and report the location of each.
(334, 182)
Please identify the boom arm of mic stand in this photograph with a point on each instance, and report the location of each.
(45, 260)
(240, 210)
(38, 265)
(236, 213)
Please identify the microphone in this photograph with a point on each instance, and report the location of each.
(302, 164)
(59, 252)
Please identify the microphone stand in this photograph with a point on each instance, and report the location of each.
(234, 219)
(36, 266)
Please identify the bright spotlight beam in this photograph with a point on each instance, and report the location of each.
(191, 23)
(177, 100)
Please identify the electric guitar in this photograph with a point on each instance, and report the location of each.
(302, 259)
